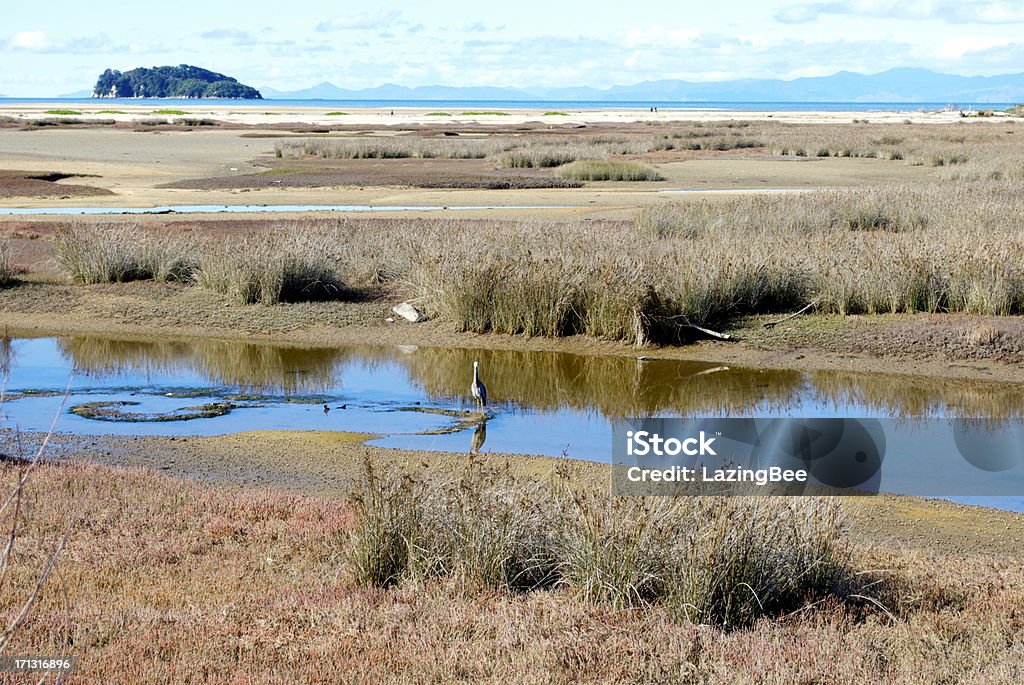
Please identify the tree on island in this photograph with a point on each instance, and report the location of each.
(183, 81)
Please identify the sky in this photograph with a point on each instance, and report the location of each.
(524, 44)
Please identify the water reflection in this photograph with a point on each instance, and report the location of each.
(256, 367)
(479, 438)
(609, 386)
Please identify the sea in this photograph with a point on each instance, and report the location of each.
(529, 104)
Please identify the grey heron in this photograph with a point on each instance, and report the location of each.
(478, 390)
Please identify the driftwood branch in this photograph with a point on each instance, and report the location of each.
(700, 329)
(771, 324)
(708, 332)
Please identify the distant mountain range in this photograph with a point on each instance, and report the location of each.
(895, 85)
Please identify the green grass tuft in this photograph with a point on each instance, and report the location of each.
(608, 170)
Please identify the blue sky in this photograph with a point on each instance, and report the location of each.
(523, 43)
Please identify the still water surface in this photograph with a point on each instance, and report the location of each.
(540, 402)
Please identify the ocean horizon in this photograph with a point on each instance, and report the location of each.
(741, 106)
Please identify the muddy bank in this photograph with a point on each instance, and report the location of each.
(944, 346)
(330, 464)
(44, 184)
(414, 173)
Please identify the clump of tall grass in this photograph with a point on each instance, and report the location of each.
(726, 561)
(266, 268)
(64, 121)
(608, 170)
(7, 268)
(538, 157)
(394, 148)
(117, 253)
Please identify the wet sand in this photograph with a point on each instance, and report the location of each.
(268, 112)
(129, 168)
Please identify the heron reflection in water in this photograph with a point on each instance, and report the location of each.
(479, 438)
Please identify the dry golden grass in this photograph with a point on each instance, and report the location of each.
(120, 252)
(708, 560)
(7, 268)
(946, 247)
(954, 244)
(171, 581)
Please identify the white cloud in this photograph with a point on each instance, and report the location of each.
(363, 20)
(958, 47)
(660, 35)
(29, 40)
(227, 34)
(39, 42)
(949, 11)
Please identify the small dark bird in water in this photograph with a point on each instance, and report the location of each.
(327, 409)
(342, 406)
(477, 389)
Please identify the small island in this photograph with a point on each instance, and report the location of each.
(183, 81)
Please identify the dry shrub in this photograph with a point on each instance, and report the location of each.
(7, 268)
(269, 268)
(117, 253)
(726, 561)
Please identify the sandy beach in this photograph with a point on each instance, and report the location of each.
(268, 112)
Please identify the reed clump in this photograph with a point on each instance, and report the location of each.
(268, 268)
(713, 560)
(7, 268)
(399, 147)
(608, 170)
(117, 253)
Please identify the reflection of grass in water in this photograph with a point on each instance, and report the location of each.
(288, 369)
(616, 386)
(624, 386)
(112, 411)
(922, 397)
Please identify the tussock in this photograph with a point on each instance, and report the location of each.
(725, 561)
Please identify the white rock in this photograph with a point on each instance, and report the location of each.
(408, 312)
